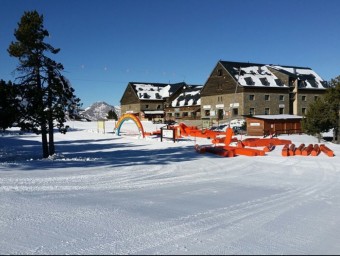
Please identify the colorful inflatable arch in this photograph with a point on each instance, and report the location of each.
(132, 117)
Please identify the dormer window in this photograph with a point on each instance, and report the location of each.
(278, 82)
(249, 81)
(264, 81)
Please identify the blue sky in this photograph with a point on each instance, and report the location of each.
(107, 43)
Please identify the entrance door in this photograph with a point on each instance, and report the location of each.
(220, 114)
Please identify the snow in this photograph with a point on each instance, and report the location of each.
(105, 194)
(152, 92)
(189, 97)
(282, 116)
(256, 73)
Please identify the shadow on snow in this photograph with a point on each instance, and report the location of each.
(26, 154)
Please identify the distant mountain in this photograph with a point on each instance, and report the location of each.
(99, 110)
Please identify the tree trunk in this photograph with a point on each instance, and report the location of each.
(44, 140)
(51, 137)
(337, 134)
(50, 119)
(319, 137)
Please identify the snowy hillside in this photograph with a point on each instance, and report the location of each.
(108, 194)
(99, 110)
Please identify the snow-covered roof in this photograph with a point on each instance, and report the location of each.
(253, 74)
(274, 117)
(155, 91)
(190, 96)
(258, 76)
(309, 78)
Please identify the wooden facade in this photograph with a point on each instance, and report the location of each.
(273, 124)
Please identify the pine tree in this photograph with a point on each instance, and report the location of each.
(332, 97)
(45, 95)
(9, 103)
(315, 121)
(112, 115)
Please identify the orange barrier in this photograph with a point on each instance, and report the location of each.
(291, 151)
(269, 144)
(218, 140)
(193, 131)
(246, 151)
(326, 150)
(215, 150)
(158, 132)
(255, 142)
(285, 150)
(307, 150)
(299, 149)
(316, 150)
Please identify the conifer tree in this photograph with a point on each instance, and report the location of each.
(9, 103)
(112, 115)
(44, 94)
(332, 97)
(316, 121)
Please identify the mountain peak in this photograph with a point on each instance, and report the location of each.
(99, 110)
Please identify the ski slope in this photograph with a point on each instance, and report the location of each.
(104, 194)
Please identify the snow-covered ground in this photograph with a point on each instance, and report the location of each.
(104, 194)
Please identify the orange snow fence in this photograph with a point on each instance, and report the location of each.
(255, 142)
(215, 150)
(307, 150)
(299, 149)
(291, 150)
(285, 150)
(316, 150)
(326, 150)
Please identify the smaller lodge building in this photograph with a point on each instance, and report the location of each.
(261, 125)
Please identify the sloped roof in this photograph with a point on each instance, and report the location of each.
(154, 91)
(190, 96)
(255, 74)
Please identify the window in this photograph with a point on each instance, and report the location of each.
(303, 98)
(252, 111)
(302, 83)
(313, 83)
(266, 111)
(278, 82)
(219, 72)
(146, 106)
(266, 97)
(185, 114)
(158, 107)
(249, 81)
(303, 111)
(264, 81)
(219, 99)
(281, 97)
(281, 111)
(207, 112)
(176, 115)
(235, 111)
(251, 97)
(316, 97)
